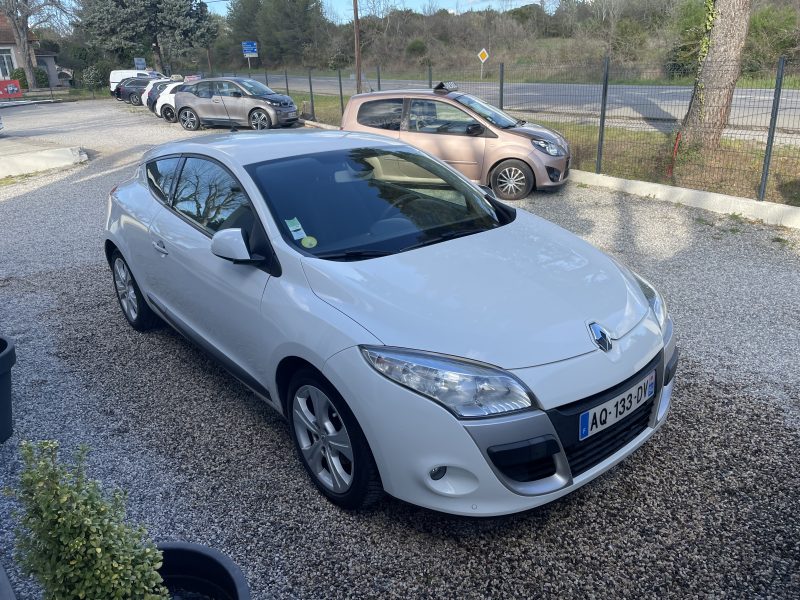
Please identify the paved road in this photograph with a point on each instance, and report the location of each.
(710, 507)
(658, 106)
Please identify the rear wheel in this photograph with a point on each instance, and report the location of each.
(168, 113)
(330, 443)
(189, 119)
(130, 298)
(512, 180)
(135, 99)
(259, 119)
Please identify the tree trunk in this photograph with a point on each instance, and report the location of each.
(717, 74)
(157, 55)
(20, 30)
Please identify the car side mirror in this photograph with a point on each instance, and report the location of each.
(230, 245)
(474, 129)
(236, 94)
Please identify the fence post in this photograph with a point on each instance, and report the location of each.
(311, 93)
(502, 81)
(379, 77)
(286, 76)
(599, 162)
(773, 120)
(430, 76)
(341, 95)
(266, 77)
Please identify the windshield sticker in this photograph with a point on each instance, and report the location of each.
(308, 242)
(295, 228)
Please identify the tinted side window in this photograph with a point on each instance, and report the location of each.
(203, 89)
(226, 88)
(160, 175)
(432, 116)
(381, 114)
(208, 194)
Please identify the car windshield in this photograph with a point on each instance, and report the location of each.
(488, 112)
(362, 203)
(256, 88)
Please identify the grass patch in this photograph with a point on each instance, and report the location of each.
(582, 185)
(779, 240)
(12, 179)
(736, 217)
(327, 109)
(703, 221)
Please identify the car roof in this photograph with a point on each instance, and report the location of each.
(420, 93)
(247, 147)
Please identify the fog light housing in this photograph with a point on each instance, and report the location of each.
(553, 173)
(437, 473)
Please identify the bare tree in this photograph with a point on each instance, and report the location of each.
(726, 26)
(26, 15)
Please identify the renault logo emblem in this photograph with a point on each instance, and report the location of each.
(600, 337)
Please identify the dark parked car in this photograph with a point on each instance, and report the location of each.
(130, 90)
(233, 101)
(155, 91)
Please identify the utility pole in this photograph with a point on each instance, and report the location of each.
(358, 46)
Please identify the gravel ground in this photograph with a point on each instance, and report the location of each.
(709, 507)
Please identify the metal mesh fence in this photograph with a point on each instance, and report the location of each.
(642, 126)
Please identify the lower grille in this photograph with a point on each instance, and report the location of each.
(592, 451)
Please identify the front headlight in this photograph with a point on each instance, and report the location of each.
(548, 147)
(654, 298)
(273, 103)
(465, 388)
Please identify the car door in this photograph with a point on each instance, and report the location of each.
(212, 300)
(234, 105)
(203, 102)
(446, 132)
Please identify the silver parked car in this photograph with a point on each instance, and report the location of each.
(233, 101)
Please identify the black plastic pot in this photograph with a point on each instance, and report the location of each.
(7, 359)
(198, 569)
(6, 593)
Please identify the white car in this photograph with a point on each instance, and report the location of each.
(165, 105)
(420, 337)
(116, 76)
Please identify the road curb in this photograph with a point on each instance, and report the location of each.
(41, 160)
(317, 125)
(768, 212)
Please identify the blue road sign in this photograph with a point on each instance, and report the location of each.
(250, 49)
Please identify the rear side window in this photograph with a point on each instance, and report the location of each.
(204, 89)
(381, 114)
(160, 175)
(207, 194)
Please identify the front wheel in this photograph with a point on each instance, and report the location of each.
(259, 119)
(168, 113)
(330, 444)
(189, 119)
(512, 180)
(135, 99)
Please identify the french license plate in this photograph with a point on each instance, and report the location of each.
(293, 113)
(613, 411)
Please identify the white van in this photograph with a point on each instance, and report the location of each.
(116, 76)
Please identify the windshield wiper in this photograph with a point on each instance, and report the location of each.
(451, 235)
(354, 254)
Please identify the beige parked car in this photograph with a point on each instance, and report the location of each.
(484, 143)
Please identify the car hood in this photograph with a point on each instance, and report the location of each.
(276, 98)
(534, 131)
(517, 296)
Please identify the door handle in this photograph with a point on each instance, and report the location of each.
(159, 246)
(216, 100)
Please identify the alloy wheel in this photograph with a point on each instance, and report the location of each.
(323, 439)
(259, 120)
(123, 281)
(189, 120)
(511, 181)
(168, 114)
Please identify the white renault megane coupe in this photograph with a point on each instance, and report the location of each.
(420, 337)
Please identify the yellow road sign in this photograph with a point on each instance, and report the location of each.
(483, 55)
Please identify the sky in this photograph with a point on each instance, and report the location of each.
(343, 9)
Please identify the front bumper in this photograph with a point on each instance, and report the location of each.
(550, 171)
(285, 115)
(410, 435)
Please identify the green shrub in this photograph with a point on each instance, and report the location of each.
(773, 33)
(416, 48)
(42, 81)
(92, 78)
(73, 538)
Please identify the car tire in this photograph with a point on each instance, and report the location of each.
(135, 99)
(259, 119)
(189, 119)
(512, 180)
(129, 296)
(324, 443)
(168, 113)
